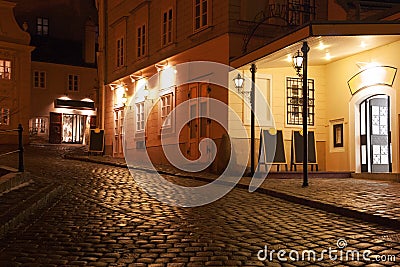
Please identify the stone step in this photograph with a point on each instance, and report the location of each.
(393, 177)
(11, 179)
(299, 175)
(24, 202)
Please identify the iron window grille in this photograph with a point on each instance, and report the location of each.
(295, 101)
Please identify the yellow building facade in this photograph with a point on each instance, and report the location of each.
(355, 88)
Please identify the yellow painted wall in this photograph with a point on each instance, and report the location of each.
(334, 103)
(278, 105)
(338, 93)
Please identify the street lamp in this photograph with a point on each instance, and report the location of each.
(239, 81)
(300, 62)
(124, 99)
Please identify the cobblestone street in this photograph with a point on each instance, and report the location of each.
(104, 219)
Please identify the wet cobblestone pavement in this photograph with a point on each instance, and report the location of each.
(104, 219)
(375, 198)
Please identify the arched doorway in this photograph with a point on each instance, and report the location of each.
(375, 134)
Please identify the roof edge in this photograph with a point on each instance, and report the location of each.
(314, 29)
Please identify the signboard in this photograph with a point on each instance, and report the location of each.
(96, 140)
(268, 154)
(298, 147)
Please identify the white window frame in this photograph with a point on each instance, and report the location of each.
(140, 116)
(167, 24)
(39, 79)
(267, 94)
(73, 83)
(201, 15)
(141, 41)
(4, 116)
(120, 52)
(166, 107)
(5, 69)
(42, 26)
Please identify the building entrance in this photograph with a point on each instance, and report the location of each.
(375, 134)
(73, 128)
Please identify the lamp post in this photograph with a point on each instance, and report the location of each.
(239, 80)
(300, 62)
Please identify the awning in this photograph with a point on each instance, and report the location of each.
(328, 41)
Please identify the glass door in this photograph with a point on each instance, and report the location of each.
(375, 134)
(73, 128)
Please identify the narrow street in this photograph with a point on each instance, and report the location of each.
(104, 219)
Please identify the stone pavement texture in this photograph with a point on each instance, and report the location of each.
(370, 200)
(105, 219)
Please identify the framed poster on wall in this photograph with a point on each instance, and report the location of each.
(338, 135)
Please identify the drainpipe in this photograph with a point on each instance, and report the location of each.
(253, 70)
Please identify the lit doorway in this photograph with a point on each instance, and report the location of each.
(375, 134)
(73, 128)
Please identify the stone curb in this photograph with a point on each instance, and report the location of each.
(347, 212)
(26, 208)
(12, 180)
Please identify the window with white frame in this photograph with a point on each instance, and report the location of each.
(120, 52)
(167, 24)
(5, 69)
(201, 14)
(73, 83)
(166, 108)
(38, 125)
(4, 116)
(39, 79)
(140, 116)
(141, 41)
(42, 26)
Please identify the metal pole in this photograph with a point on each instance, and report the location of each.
(305, 48)
(253, 70)
(20, 149)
